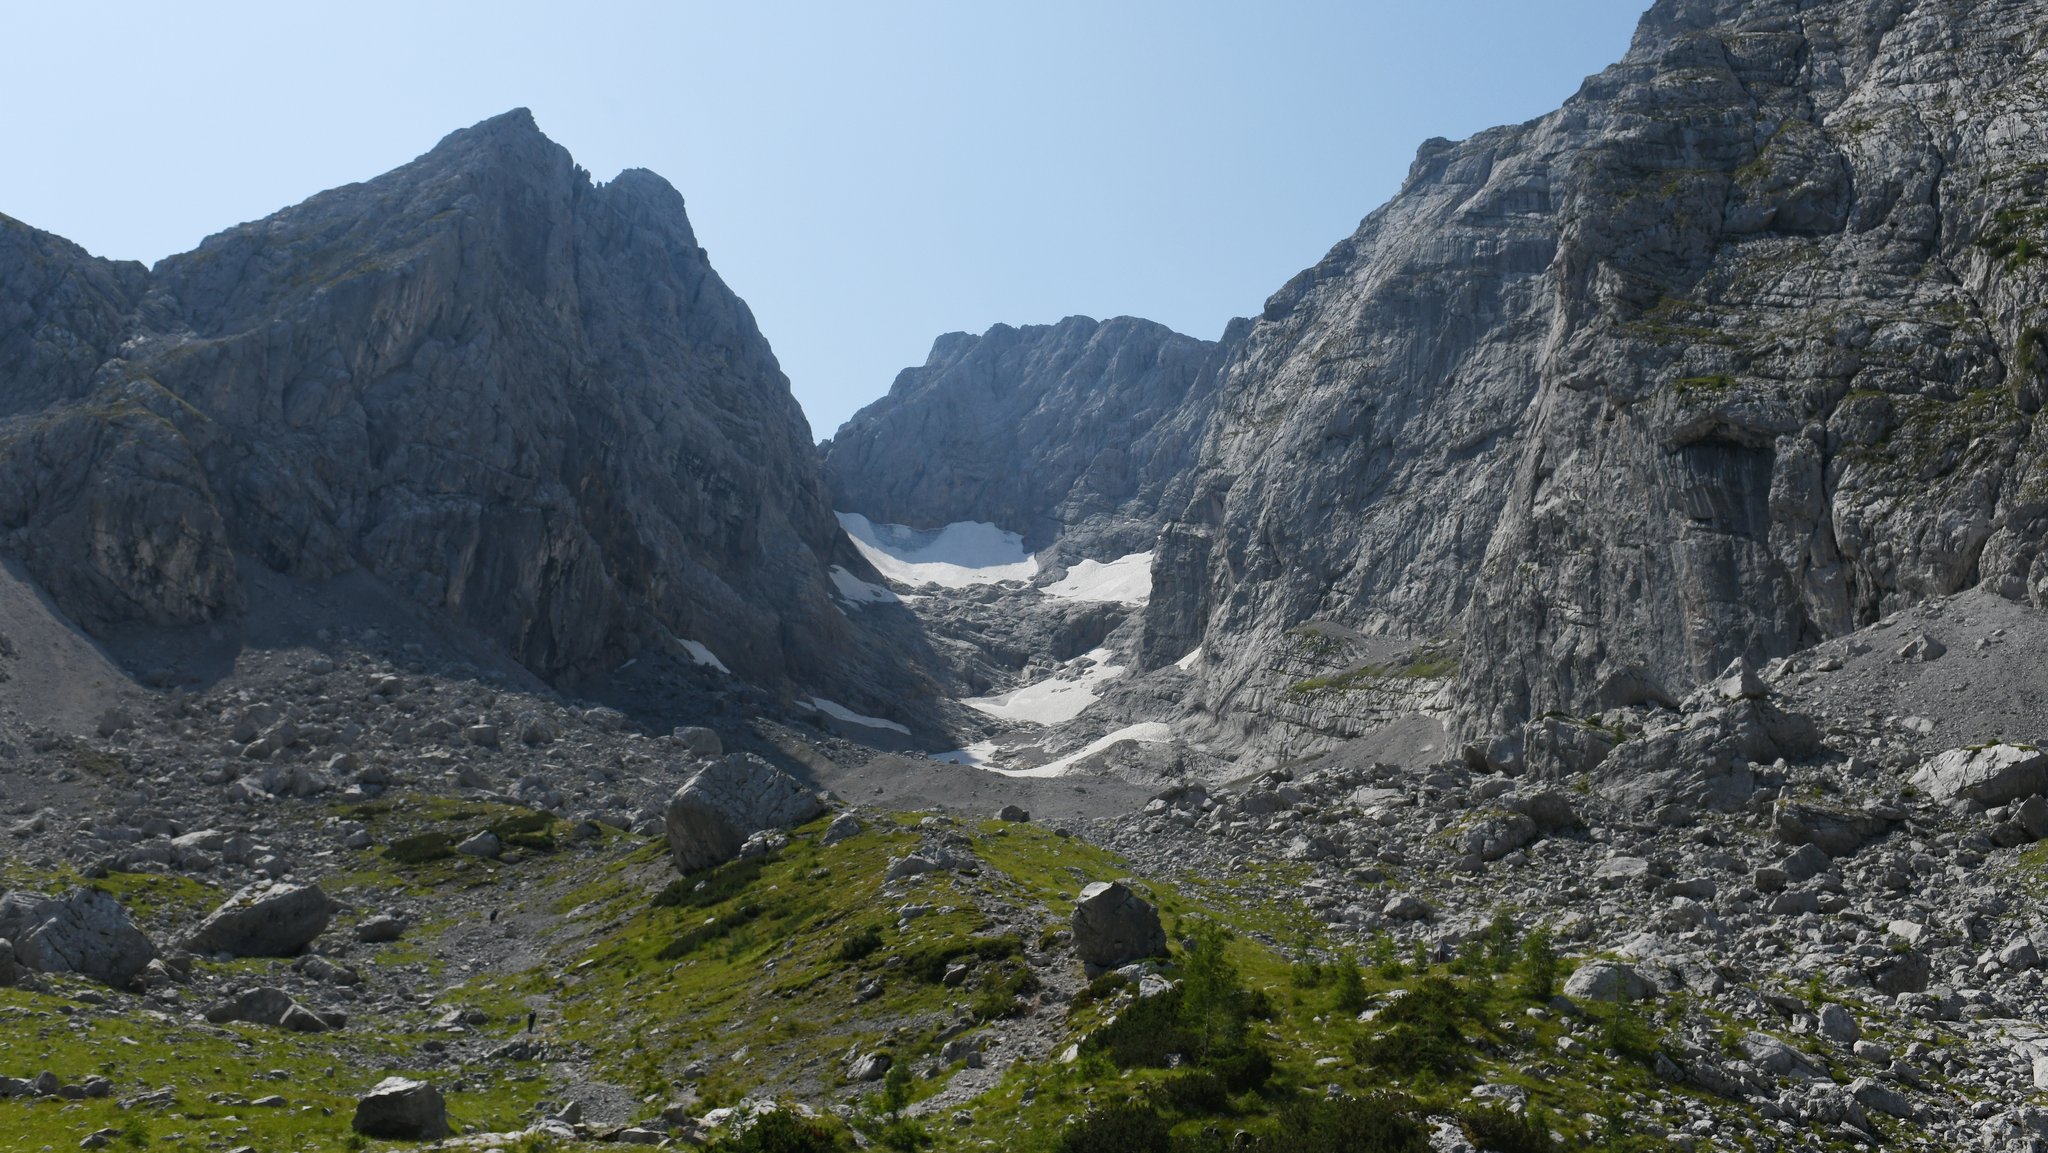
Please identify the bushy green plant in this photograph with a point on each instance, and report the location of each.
(781, 1131)
(1124, 1128)
(1423, 1031)
(1539, 966)
(707, 887)
(1500, 1130)
(1348, 984)
(859, 946)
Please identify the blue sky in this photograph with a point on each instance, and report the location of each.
(866, 175)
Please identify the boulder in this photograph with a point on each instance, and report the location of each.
(1549, 808)
(264, 920)
(1739, 682)
(380, 929)
(400, 1108)
(1115, 926)
(1837, 832)
(1988, 774)
(87, 932)
(699, 741)
(843, 826)
(269, 1006)
(711, 816)
(482, 844)
(1012, 813)
(1496, 835)
(1607, 981)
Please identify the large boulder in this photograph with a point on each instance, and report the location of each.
(269, 1006)
(1837, 831)
(402, 1109)
(87, 932)
(1607, 981)
(728, 800)
(264, 920)
(1115, 926)
(8, 969)
(1988, 774)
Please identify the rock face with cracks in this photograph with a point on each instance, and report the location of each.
(86, 932)
(709, 819)
(264, 921)
(1114, 926)
(521, 398)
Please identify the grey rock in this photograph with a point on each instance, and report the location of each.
(841, 827)
(268, 1006)
(9, 971)
(1838, 1025)
(711, 816)
(402, 1109)
(481, 844)
(1088, 426)
(1607, 981)
(1838, 832)
(87, 932)
(380, 929)
(869, 1067)
(551, 346)
(264, 920)
(1805, 863)
(1012, 813)
(1990, 774)
(1114, 926)
(699, 741)
(1873, 1094)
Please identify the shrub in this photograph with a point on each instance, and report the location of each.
(713, 886)
(1195, 1092)
(1424, 1032)
(930, 963)
(1101, 987)
(1127, 1128)
(859, 946)
(1349, 985)
(1501, 1131)
(781, 1131)
(1498, 942)
(418, 850)
(1350, 1125)
(710, 931)
(529, 830)
(1539, 966)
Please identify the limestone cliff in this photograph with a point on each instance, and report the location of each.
(1082, 429)
(519, 396)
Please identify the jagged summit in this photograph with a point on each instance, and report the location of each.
(525, 399)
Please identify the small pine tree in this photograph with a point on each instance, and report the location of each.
(896, 1088)
(1350, 984)
(1539, 965)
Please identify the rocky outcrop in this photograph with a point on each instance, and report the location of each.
(401, 1109)
(709, 819)
(1990, 775)
(1083, 428)
(1114, 926)
(264, 920)
(1734, 352)
(87, 932)
(523, 399)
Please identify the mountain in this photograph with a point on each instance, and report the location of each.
(1738, 350)
(1081, 428)
(521, 398)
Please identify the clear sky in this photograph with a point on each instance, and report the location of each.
(867, 175)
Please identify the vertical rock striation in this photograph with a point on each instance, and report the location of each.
(520, 397)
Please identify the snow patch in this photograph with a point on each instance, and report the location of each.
(1054, 700)
(977, 754)
(1187, 662)
(835, 709)
(1126, 580)
(704, 656)
(1147, 732)
(961, 554)
(857, 591)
